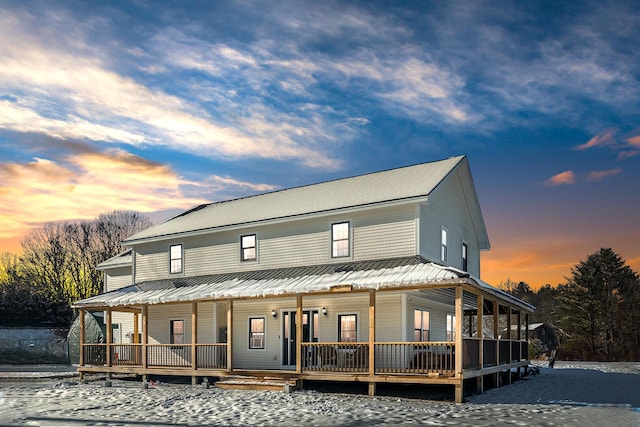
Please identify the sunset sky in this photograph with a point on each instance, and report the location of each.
(158, 106)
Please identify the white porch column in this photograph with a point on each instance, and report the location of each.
(109, 337)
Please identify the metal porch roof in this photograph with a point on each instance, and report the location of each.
(383, 274)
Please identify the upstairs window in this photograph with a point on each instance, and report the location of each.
(176, 332)
(340, 244)
(175, 259)
(248, 248)
(256, 332)
(420, 325)
(465, 251)
(443, 245)
(347, 328)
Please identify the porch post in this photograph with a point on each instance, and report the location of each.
(509, 310)
(145, 335)
(298, 333)
(459, 346)
(194, 338)
(372, 339)
(109, 339)
(481, 336)
(135, 329)
(229, 334)
(82, 338)
(496, 334)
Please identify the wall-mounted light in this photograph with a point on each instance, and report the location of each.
(273, 313)
(324, 311)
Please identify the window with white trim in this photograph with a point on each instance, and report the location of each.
(420, 325)
(465, 251)
(443, 245)
(347, 327)
(256, 332)
(248, 248)
(176, 331)
(175, 259)
(451, 327)
(340, 240)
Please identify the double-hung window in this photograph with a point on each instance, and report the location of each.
(176, 332)
(420, 325)
(347, 327)
(443, 245)
(340, 240)
(465, 251)
(256, 332)
(175, 259)
(451, 327)
(248, 248)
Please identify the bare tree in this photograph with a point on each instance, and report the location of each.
(62, 256)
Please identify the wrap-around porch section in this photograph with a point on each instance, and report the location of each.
(488, 335)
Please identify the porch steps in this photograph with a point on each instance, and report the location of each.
(236, 382)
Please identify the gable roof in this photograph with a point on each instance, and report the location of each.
(123, 259)
(395, 185)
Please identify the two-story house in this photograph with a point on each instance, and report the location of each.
(372, 278)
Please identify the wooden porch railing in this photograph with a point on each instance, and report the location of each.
(208, 356)
(335, 357)
(390, 357)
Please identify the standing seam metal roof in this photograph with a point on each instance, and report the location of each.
(382, 274)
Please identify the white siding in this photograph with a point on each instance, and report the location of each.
(116, 278)
(388, 329)
(447, 207)
(437, 317)
(384, 234)
(377, 234)
(269, 357)
(160, 316)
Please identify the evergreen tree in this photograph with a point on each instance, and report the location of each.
(598, 312)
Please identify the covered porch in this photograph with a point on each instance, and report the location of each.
(487, 335)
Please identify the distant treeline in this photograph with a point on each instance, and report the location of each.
(57, 267)
(596, 314)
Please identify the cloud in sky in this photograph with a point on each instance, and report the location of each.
(626, 145)
(221, 97)
(85, 184)
(569, 177)
(563, 178)
(97, 103)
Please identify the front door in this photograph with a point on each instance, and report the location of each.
(309, 334)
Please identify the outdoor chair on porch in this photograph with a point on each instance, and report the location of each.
(328, 356)
(358, 359)
(320, 356)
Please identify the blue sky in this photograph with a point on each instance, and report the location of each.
(157, 106)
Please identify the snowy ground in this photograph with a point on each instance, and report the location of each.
(571, 394)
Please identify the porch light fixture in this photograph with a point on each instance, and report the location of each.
(324, 311)
(273, 313)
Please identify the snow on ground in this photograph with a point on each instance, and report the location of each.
(572, 394)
